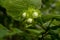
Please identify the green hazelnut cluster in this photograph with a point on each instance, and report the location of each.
(30, 14)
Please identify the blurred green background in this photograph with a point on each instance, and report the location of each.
(29, 19)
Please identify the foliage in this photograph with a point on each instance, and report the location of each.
(29, 19)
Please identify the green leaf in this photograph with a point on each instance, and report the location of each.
(55, 27)
(55, 22)
(16, 7)
(14, 31)
(3, 31)
(54, 35)
(35, 31)
(57, 17)
(48, 17)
